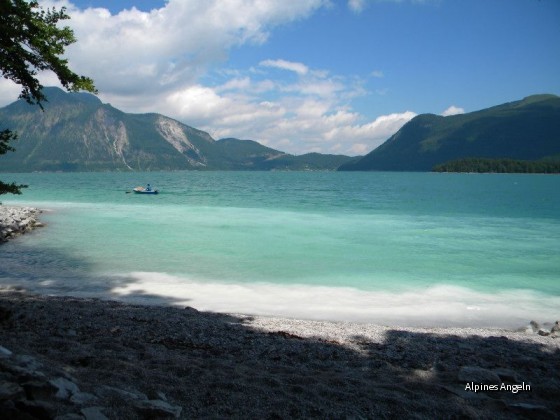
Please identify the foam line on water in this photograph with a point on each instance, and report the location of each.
(440, 305)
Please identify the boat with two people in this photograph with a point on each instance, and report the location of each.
(145, 190)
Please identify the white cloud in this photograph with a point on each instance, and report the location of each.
(377, 73)
(142, 52)
(159, 61)
(372, 133)
(9, 91)
(356, 5)
(299, 68)
(297, 122)
(235, 84)
(453, 110)
(319, 88)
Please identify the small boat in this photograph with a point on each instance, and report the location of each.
(144, 190)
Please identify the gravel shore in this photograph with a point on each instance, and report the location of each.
(88, 358)
(72, 358)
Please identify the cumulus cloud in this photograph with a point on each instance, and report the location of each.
(160, 61)
(373, 133)
(453, 110)
(295, 121)
(306, 114)
(135, 51)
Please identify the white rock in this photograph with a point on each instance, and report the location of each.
(65, 388)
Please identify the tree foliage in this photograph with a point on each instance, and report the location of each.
(483, 165)
(5, 137)
(31, 42)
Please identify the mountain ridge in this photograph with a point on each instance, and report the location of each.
(77, 132)
(528, 129)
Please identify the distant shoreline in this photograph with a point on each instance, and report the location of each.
(500, 166)
(102, 357)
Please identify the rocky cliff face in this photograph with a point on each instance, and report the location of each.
(78, 132)
(110, 135)
(174, 132)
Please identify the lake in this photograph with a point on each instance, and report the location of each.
(383, 247)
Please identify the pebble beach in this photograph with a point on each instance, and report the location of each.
(72, 358)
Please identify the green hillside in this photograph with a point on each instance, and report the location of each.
(523, 130)
(77, 132)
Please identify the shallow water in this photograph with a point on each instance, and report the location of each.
(398, 248)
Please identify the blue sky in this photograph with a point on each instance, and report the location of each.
(312, 75)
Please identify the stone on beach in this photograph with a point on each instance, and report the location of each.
(15, 221)
(64, 388)
(27, 392)
(534, 325)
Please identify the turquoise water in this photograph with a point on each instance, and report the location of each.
(398, 248)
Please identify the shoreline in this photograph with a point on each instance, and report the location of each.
(92, 358)
(127, 361)
(136, 289)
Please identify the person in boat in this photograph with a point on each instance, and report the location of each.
(148, 188)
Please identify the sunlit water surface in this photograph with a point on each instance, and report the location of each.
(392, 248)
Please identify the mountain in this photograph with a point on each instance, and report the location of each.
(77, 132)
(523, 130)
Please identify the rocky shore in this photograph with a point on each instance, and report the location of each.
(70, 358)
(15, 221)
